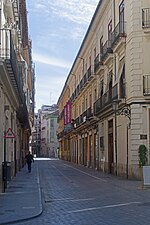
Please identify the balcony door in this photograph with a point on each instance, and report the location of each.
(109, 33)
(110, 147)
(121, 17)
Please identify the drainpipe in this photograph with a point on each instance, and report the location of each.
(114, 15)
(114, 6)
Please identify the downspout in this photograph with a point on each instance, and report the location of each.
(114, 15)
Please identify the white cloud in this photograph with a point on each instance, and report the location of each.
(51, 61)
(78, 11)
(58, 26)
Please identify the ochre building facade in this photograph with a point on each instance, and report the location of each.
(104, 107)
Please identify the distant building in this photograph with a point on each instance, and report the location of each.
(51, 131)
(44, 135)
(36, 136)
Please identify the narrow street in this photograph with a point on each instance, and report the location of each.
(73, 194)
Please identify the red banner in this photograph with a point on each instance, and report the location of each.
(67, 113)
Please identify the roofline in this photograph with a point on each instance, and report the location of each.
(84, 40)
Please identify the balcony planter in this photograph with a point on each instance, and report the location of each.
(143, 165)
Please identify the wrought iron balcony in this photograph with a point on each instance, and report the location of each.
(89, 72)
(83, 117)
(81, 84)
(96, 63)
(146, 18)
(8, 54)
(89, 112)
(106, 49)
(60, 135)
(106, 100)
(85, 78)
(118, 32)
(146, 85)
(78, 89)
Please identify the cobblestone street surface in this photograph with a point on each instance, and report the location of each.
(72, 194)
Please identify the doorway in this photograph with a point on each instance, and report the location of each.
(110, 147)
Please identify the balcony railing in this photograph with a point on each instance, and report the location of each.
(106, 99)
(7, 53)
(81, 84)
(85, 78)
(89, 112)
(119, 31)
(146, 85)
(106, 49)
(78, 89)
(84, 116)
(89, 72)
(146, 18)
(96, 63)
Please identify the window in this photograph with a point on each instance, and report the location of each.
(109, 31)
(79, 110)
(86, 103)
(102, 142)
(52, 137)
(90, 100)
(89, 61)
(83, 106)
(101, 46)
(110, 80)
(122, 83)
(86, 67)
(121, 11)
(121, 17)
(94, 52)
(52, 123)
(146, 18)
(95, 93)
(101, 88)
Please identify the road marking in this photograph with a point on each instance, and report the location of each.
(60, 199)
(82, 199)
(104, 207)
(98, 178)
(28, 207)
(72, 200)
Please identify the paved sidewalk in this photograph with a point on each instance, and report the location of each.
(22, 199)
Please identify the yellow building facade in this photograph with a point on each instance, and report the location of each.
(108, 89)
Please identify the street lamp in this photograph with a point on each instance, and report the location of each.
(125, 111)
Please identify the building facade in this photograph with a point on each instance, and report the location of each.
(17, 107)
(44, 137)
(51, 131)
(108, 90)
(36, 136)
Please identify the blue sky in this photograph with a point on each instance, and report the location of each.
(56, 28)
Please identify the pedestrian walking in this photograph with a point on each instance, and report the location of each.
(29, 159)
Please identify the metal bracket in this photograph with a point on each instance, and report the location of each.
(126, 111)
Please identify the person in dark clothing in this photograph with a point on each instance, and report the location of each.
(29, 159)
